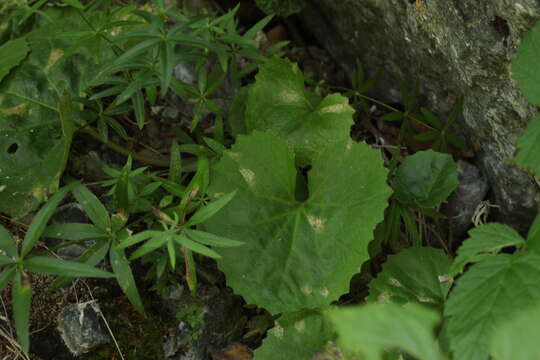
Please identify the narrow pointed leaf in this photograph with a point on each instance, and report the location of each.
(95, 210)
(54, 266)
(196, 247)
(6, 276)
(124, 276)
(74, 231)
(21, 295)
(211, 239)
(149, 246)
(39, 222)
(207, 211)
(7, 243)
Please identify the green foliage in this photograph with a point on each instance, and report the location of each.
(517, 339)
(280, 7)
(292, 239)
(278, 103)
(19, 262)
(371, 330)
(525, 72)
(296, 336)
(485, 241)
(414, 275)
(425, 179)
(491, 292)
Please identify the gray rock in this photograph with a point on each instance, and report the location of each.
(80, 327)
(211, 319)
(461, 205)
(453, 48)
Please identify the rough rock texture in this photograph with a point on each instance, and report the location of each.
(80, 328)
(461, 205)
(453, 48)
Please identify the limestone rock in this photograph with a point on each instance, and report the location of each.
(453, 48)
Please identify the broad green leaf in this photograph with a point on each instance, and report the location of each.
(236, 117)
(7, 243)
(296, 336)
(21, 295)
(485, 241)
(372, 329)
(517, 339)
(413, 275)
(533, 237)
(297, 254)
(211, 239)
(209, 210)
(40, 220)
(74, 231)
(6, 276)
(34, 143)
(54, 266)
(426, 179)
(11, 55)
(488, 294)
(525, 65)
(95, 210)
(279, 103)
(529, 147)
(124, 276)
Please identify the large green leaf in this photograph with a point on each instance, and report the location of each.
(372, 329)
(529, 147)
(426, 179)
(525, 65)
(11, 54)
(485, 241)
(278, 103)
(533, 237)
(525, 71)
(491, 292)
(517, 339)
(298, 254)
(413, 275)
(33, 126)
(296, 336)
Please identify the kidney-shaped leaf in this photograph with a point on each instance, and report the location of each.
(296, 336)
(413, 275)
(372, 329)
(279, 103)
(297, 254)
(426, 179)
(491, 292)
